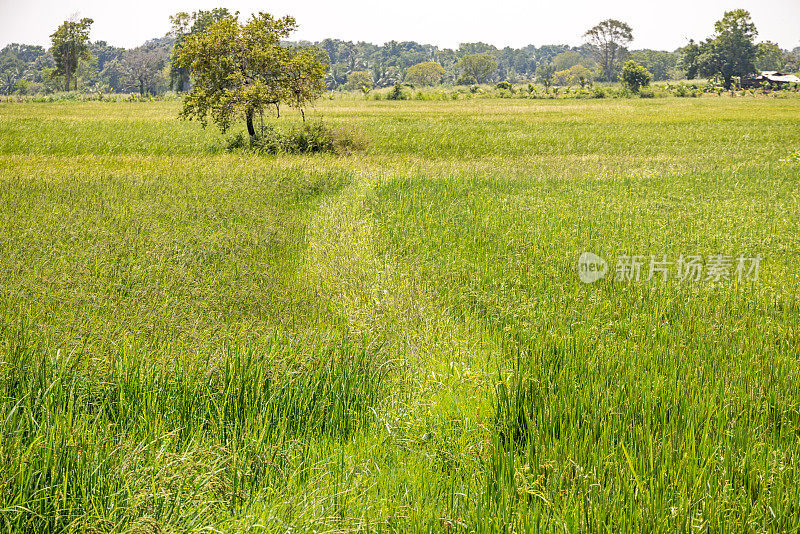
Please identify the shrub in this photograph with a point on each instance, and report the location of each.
(634, 76)
(598, 92)
(309, 138)
(466, 79)
(647, 93)
(686, 90)
(396, 93)
(504, 85)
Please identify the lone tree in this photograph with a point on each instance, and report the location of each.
(634, 76)
(608, 42)
(70, 47)
(544, 75)
(241, 69)
(143, 66)
(730, 53)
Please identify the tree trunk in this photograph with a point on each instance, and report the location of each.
(250, 128)
(727, 81)
(69, 77)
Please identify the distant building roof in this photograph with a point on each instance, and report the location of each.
(779, 77)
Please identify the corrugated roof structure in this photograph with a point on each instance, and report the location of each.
(779, 77)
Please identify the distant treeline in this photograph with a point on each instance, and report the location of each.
(389, 63)
(150, 68)
(30, 69)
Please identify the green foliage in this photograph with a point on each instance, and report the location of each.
(544, 75)
(143, 67)
(575, 75)
(70, 47)
(360, 81)
(635, 76)
(476, 68)
(568, 59)
(731, 53)
(686, 90)
(396, 93)
(241, 69)
(183, 24)
(660, 64)
(769, 56)
(20, 62)
(308, 138)
(607, 42)
(425, 74)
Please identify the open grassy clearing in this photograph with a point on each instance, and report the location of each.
(397, 340)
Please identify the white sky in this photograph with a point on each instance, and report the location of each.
(658, 24)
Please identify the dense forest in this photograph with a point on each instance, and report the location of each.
(151, 69)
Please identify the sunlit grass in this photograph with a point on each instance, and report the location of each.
(397, 340)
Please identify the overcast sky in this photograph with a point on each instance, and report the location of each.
(659, 24)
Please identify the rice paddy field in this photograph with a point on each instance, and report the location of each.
(398, 340)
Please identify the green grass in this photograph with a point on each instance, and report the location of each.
(396, 340)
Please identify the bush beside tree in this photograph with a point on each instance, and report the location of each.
(634, 76)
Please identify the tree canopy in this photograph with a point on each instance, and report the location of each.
(661, 64)
(70, 46)
(608, 42)
(570, 58)
(730, 53)
(769, 56)
(476, 68)
(360, 80)
(143, 66)
(241, 69)
(427, 73)
(544, 75)
(576, 74)
(183, 24)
